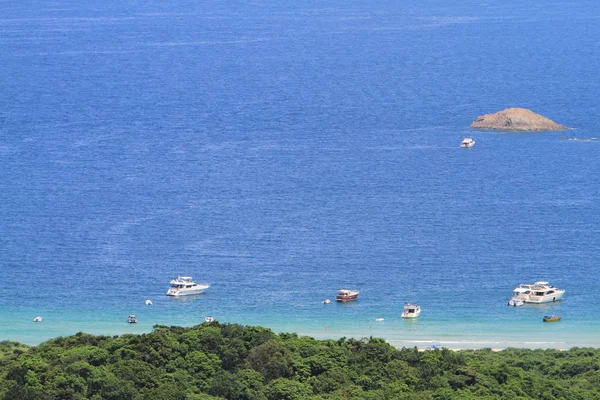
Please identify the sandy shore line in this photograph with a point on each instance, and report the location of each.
(464, 342)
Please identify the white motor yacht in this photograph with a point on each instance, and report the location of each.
(543, 292)
(185, 286)
(411, 311)
(467, 143)
(539, 292)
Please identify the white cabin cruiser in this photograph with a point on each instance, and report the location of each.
(467, 143)
(539, 292)
(411, 311)
(543, 292)
(185, 286)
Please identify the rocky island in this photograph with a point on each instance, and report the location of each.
(516, 119)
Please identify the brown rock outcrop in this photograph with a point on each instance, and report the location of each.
(516, 119)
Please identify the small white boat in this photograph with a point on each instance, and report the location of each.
(148, 302)
(467, 143)
(411, 311)
(185, 286)
(326, 301)
(378, 319)
(37, 319)
(209, 319)
(516, 302)
(132, 319)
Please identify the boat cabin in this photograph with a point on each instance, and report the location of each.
(183, 282)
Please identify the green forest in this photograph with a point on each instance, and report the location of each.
(228, 361)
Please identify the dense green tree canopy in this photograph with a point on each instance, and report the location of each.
(226, 361)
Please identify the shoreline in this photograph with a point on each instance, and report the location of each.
(421, 340)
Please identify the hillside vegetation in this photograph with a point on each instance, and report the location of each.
(223, 361)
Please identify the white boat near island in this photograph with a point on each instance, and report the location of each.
(185, 286)
(467, 143)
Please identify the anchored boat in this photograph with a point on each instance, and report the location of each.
(551, 318)
(345, 295)
(539, 292)
(185, 286)
(411, 311)
(467, 143)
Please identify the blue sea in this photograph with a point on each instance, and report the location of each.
(283, 150)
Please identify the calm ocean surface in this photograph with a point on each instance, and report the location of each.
(281, 152)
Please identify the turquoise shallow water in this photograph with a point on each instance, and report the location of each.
(522, 327)
(281, 152)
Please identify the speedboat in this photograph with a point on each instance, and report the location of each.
(516, 302)
(132, 319)
(37, 319)
(345, 295)
(209, 319)
(551, 318)
(539, 292)
(185, 286)
(411, 311)
(467, 143)
(520, 293)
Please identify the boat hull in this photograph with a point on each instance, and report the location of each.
(556, 296)
(190, 292)
(345, 299)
